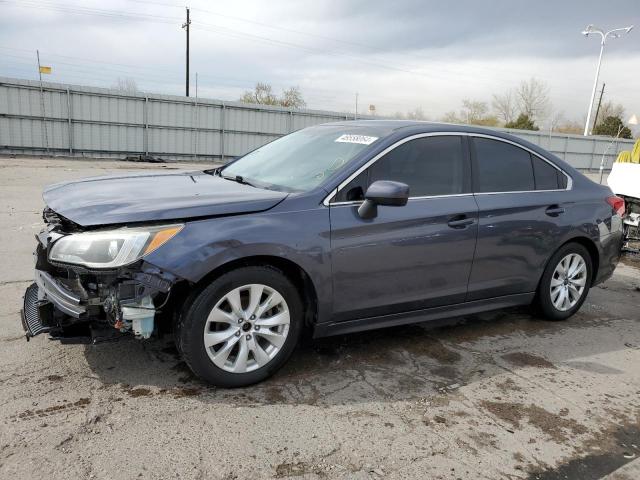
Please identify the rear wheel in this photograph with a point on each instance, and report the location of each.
(565, 282)
(242, 327)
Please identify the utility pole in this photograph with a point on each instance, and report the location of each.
(186, 27)
(595, 120)
(45, 134)
(356, 115)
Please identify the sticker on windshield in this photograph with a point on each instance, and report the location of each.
(363, 139)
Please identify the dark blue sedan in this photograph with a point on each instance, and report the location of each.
(336, 228)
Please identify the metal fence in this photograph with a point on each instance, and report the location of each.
(95, 122)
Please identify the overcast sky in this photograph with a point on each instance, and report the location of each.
(398, 55)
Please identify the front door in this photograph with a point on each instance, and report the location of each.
(411, 257)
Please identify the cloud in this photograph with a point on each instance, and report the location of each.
(396, 55)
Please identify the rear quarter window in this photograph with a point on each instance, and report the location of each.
(546, 175)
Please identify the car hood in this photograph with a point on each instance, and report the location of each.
(155, 196)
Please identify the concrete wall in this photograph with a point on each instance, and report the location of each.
(96, 122)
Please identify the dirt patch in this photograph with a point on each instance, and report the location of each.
(508, 386)
(138, 392)
(275, 395)
(296, 470)
(44, 412)
(558, 427)
(180, 392)
(54, 378)
(524, 359)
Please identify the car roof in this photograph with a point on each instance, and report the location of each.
(426, 126)
(412, 127)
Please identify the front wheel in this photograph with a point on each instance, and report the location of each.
(565, 282)
(242, 327)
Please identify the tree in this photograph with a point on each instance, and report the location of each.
(415, 114)
(523, 122)
(612, 127)
(505, 106)
(292, 98)
(533, 99)
(609, 109)
(473, 111)
(125, 85)
(450, 117)
(263, 95)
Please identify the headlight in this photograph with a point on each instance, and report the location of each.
(113, 248)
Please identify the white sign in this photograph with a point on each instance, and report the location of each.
(363, 139)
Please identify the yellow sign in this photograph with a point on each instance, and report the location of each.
(45, 70)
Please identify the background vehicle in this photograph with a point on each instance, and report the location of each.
(624, 180)
(338, 228)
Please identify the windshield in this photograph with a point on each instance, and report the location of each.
(302, 160)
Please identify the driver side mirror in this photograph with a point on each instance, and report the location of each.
(383, 192)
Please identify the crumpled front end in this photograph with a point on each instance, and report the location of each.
(76, 304)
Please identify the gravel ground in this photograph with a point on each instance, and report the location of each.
(496, 395)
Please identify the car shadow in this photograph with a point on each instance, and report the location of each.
(400, 363)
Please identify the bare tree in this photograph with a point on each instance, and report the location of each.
(263, 94)
(505, 106)
(416, 114)
(609, 109)
(533, 99)
(556, 119)
(125, 85)
(473, 111)
(451, 117)
(292, 98)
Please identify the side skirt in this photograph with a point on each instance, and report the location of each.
(418, 316)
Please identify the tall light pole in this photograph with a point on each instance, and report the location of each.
(615, 33)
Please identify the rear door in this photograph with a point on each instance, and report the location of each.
(409, 257)
(522, 201)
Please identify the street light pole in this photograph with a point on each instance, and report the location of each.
(615, 33)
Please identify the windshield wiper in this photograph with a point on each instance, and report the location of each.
(238, 179)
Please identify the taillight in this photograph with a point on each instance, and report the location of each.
(617, 204)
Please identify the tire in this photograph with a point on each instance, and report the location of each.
(250, 318)
(552, 303)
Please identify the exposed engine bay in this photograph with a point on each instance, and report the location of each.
(80, 304)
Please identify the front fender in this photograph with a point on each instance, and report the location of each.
(302, 237)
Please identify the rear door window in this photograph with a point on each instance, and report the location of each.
(502, 167)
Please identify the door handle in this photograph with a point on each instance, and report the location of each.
(554, 210)
(460, 221)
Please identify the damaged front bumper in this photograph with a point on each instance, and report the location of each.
(78, 305)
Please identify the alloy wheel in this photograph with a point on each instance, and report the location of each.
(568, 282)
(246, 328)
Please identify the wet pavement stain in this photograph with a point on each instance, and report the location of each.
(524, 359)
(616, 448)
(555, 426)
